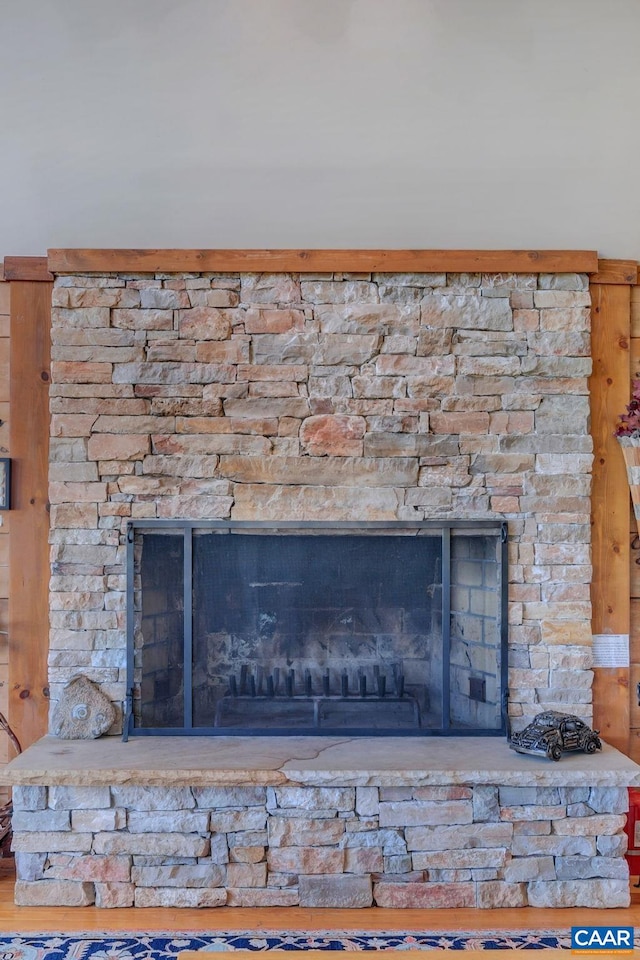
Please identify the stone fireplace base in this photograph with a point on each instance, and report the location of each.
(317, 822)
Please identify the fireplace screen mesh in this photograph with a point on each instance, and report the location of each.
(384, 630)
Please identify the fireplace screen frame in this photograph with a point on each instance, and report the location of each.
(188, 528)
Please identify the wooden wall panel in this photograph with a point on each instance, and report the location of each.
(6, 750)
(634, 566)
(609, 388)
(28, 550)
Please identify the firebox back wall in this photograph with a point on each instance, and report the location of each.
(325, 397)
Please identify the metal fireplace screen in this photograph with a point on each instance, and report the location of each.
(367, 629)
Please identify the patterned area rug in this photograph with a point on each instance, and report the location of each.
(167, 945)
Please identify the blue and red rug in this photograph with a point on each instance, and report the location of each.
(167, 945)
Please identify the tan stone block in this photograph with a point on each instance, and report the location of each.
(303, 831)
(273, 321)
(246, 854)
(132, 426)
(497, 893)
(346, 471)
(77, 492)
(272, 502)
(179, 875)
(172, 351)
(423, 812)
(253, 818)
(579, 893)
(379, 387)
(85, 317)
(151, 844)
(52, 842)
(80, 371)
(210, 444)
(142, 319)
(342, 348)
(118, 446)
(553, 845)
(208, 323)
(269, 288)
(273, 371)
(523, 869)
(247, 875)
(462, 836)
(267, 408)
(340, 892)
(221, 298)
(76, 425)
(77, 515)
(123, 297)
(223, 351)
(272, 897)
(110, 895)
(566, 632)
(313, 799)
(306, 860)
(459, 859)
(363, 860)
(337, 436)
(266, 426)
(89, 868)
(53, 893)
(259, 390)
(601, 824)
(424, 895)
(179, 897)
(168, 821)
(430, 367)
(332, 291)
(40, 820)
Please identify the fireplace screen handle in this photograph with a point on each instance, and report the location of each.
(127, 710)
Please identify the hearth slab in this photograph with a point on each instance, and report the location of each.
(311, 761)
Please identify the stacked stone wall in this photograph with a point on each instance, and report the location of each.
(438, 846)
(332, 397)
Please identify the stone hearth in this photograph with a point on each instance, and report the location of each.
(318, 822)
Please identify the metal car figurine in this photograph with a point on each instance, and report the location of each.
(550, 733)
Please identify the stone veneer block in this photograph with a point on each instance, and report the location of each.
(579, 893)
(51, 893)
(111, 895)
(424, 895)
(179, 897)
(339, 892)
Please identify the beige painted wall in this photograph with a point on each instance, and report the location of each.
(391, 123)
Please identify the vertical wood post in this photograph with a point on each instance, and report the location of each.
(30, 306)
(609, 392)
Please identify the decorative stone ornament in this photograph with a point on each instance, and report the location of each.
(84, 712)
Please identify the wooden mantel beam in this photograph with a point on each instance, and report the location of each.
(322, 261)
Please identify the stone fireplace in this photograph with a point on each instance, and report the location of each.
(333, 397)
(208, 398)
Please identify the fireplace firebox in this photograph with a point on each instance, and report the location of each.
(393, 629)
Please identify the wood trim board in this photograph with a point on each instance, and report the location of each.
(28, 548)
(610, 591)
(616, 272)
(27, 268)
(319, 261)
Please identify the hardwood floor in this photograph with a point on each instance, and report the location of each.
(62, 919)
